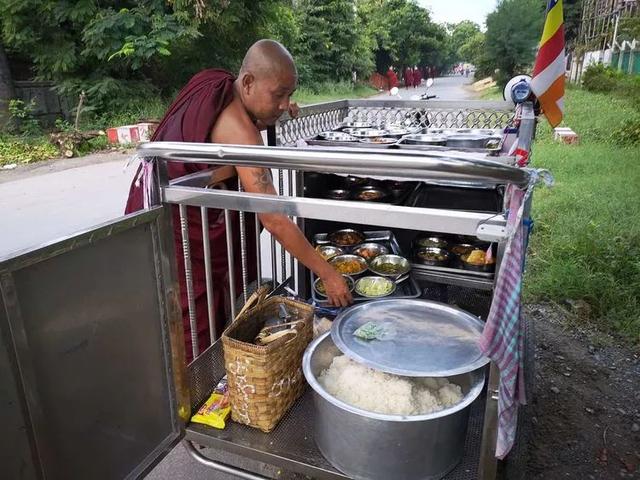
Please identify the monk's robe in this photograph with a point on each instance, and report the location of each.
(417, 77)
(408, 77)
(392, 78)
(191, 118)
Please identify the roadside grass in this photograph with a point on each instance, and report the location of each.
(327, 92)
(586, 240)
(492, 93)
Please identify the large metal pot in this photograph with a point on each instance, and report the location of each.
(373, 446)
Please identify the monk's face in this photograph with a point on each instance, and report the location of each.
(267, 98)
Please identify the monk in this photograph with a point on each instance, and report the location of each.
(408, 77)
(215, 106)
(392, 78)
(417, 76)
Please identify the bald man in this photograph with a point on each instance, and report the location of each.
(217, 107)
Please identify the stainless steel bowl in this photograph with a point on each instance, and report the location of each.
(431, 241)
(329, 251)
(370, 194)
(468, 141)
(348, 279)
(337, 137)
(402, 265)
(426, 256)
(398, 132)
(370, 250)
(335, 261)
(424, 139)
(415, 447)
(365, 132)
(338, 194)
(338, 237)
(375, 281)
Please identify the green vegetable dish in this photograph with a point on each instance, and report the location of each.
(374, 287)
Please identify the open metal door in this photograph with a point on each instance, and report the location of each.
(92, 374)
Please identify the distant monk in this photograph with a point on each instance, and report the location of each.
(217, 107)
(408, 77)
(417, 77)
(392, 78)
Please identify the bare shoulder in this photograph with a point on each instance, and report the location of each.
(235, 127)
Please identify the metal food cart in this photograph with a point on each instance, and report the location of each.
(92, 359)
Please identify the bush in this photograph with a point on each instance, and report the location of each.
(628, 133)
(600, 79)
(23, 150)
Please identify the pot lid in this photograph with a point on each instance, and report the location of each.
(413, 338)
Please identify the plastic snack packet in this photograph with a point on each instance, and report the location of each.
(216, 409)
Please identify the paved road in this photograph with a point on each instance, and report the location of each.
(445, 88)
(55, 199)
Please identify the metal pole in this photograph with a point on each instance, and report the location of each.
(208, 273)
(258, 253)
(186, 250)
(221, 467)
(292, 260)
(283, 253)
(271, 141)
(230, 265)
(243, 252)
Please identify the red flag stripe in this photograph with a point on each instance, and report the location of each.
(549, 51)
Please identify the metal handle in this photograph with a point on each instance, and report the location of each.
(419, 165)
(221, 467)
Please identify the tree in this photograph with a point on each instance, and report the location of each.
(461, 34)
(514, 29)
(332, 42)
(6, 88)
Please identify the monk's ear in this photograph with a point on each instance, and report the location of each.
(248, 81)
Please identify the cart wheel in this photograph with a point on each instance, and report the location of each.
(514, 466)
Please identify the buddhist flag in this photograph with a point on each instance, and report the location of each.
(548, 73)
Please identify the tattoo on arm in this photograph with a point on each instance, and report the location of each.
(262, 179)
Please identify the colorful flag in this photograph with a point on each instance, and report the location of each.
(549, 70)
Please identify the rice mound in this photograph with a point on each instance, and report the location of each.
(380, 392)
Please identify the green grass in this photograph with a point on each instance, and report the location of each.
(331, 91)
(492, 93)
(20, 150)
(586, 242)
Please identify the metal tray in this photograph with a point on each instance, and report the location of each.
(319, 142)
(402, 143)
(457, 271)
(406, 289)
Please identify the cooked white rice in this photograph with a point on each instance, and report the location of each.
(381, 392)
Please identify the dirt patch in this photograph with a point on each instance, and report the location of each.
(586, 407)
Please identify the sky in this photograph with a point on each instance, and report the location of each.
(454, 11)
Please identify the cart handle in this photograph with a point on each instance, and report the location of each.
(221, 467)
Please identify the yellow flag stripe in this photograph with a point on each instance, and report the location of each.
(552, 23)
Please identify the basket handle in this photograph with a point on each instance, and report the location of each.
(253, 301)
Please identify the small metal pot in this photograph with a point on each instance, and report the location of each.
(485, 268)
(430, 240)
(402, 264)
(338, 194)
(338, 237)
(424, 139)
(369, 251)
(360, 285)
(365, 132)
(348, 279)
(467, 141)
(349, 258)
(329, 251)
(416, 447)
(370, 194)
(433, 256)
(458, 250)
(337, 137)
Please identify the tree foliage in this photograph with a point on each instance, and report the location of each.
(514, 29)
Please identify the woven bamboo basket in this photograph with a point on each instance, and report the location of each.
(265, 380)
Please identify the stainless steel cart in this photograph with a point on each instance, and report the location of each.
(92, 359)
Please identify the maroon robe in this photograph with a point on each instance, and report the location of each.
(417, 77)
(190, 118)
(408, 77)
(392, 78)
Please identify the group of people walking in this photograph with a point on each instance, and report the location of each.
(411, 77)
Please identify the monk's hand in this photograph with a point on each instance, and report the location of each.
(294, 109)
(336, 289)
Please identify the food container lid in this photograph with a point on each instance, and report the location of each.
(419, 338)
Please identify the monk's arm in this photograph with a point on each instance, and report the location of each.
(258, 180)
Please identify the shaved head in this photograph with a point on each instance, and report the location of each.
(267, 79)
(268, 58)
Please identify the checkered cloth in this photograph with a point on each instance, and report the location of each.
(502, 338)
